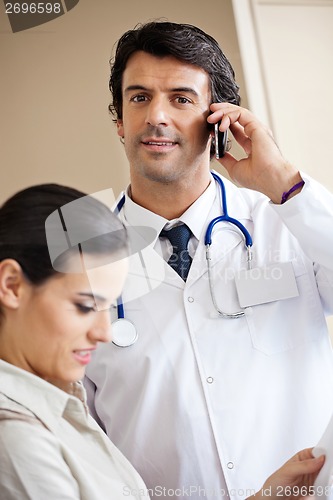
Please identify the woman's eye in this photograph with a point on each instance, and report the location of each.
(85, 309)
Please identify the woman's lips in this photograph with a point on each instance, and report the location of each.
(83, 356)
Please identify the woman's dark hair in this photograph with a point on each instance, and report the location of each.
(182, 41)
(23, 231)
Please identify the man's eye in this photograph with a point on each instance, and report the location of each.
(183, 100)
(138, 98)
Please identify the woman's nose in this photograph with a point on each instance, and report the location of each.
(101, 329)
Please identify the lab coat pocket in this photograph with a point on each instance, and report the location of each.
(289, 323)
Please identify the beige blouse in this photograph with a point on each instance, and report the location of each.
(52, 449)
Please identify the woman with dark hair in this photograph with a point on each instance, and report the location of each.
(50, 324)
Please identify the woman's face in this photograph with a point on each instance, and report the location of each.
(59, 323)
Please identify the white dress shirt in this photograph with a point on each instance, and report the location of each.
(194, 217)
(50, 447)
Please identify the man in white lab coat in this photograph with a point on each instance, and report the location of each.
(205, 406)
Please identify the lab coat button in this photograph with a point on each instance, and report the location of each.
(190, 299)
(230, 465)
(210, 380)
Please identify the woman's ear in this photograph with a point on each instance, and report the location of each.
(11, 283)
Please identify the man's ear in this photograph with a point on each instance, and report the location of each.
(120, 128)
(11, 283)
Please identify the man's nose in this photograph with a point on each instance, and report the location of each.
(157, 113)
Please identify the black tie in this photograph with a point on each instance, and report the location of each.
(180, 259)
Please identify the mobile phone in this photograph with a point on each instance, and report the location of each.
(220, 141)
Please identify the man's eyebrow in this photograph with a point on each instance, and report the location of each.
(188, 90)
(134, 87)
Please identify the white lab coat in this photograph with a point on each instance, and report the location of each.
(200, 402)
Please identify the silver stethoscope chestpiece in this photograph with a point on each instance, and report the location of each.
(124, 333)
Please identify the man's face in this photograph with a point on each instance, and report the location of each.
(165, 107)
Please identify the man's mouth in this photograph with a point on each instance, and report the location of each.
(155, 143)
(159, 145)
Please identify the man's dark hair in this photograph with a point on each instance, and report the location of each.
(182, 41)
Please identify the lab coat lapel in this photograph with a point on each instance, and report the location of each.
(147, 271)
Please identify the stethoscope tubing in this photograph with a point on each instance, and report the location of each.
(225, 218)
(126, 324)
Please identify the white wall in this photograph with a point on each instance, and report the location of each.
(55, 126)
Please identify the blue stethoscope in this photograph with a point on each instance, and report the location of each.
(124, 332)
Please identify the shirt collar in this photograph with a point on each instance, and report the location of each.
(197, 214)
(48, 402)
(137, 216)
(194, 217)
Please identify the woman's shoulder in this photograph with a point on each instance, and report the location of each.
(12, 410)
(29, 450)
(22, 433)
